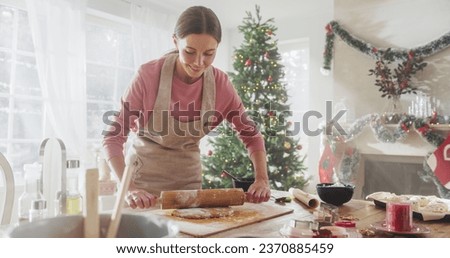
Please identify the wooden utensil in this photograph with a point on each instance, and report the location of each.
(117, 211)
(203, 198)
(92, 220)
(230, 175)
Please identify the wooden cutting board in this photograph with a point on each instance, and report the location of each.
(246, 214)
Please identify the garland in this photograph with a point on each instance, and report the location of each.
(334, 28)
(422, 126)
(392, 135)
(400, 132)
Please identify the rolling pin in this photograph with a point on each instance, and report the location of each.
(203, 198)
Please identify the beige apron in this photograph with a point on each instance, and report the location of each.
(167, 151)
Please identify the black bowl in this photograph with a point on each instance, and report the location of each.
(335, 194)
(243, 183)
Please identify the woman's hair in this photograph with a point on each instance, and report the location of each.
(198, 20)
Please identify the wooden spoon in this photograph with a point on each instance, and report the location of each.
(92, 220)
(117, 211)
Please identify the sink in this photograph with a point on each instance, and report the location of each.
(131, 226)
(5, 167)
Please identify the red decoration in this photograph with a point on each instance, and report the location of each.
(329, 29)
(326, 165)
(433, 119)
(248, 62)
(424, 129)
(439, 162)
(398, 216)
(404, 127)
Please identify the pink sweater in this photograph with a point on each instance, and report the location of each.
(185, 106)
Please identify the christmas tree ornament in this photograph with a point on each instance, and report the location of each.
(287, 145)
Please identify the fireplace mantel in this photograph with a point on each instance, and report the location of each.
(411, 149)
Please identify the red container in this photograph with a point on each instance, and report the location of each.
(399, 216)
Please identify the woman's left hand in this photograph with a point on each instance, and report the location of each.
(258, 192)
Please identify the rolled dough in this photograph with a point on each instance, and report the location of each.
(203, 213)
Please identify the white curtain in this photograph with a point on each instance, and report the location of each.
(152, 32)
(58, 30)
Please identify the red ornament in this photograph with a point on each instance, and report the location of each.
(424, 129)
(329, 29)
(403, 84)
(404, 127)
(349, 151)
(434, 119)
(248, 62)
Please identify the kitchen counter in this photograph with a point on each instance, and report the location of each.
(364, 212)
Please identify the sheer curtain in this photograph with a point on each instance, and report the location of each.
(152, 32)
(58, 31)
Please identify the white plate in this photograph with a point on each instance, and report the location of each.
(416, 229)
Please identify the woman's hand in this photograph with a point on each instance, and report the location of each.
(258, 192)
(137, 198)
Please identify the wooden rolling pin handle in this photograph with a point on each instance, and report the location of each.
(206, 198)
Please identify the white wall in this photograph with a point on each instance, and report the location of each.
(389, 23)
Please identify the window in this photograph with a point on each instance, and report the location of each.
(109, 69)
(20, 94)
(295, 58)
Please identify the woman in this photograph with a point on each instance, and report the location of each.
(175, 101)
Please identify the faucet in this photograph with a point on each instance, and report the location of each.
(9, 197)
(61, 195)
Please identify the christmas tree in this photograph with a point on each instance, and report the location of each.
(258, 79)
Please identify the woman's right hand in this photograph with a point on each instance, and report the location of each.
(141, 199)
